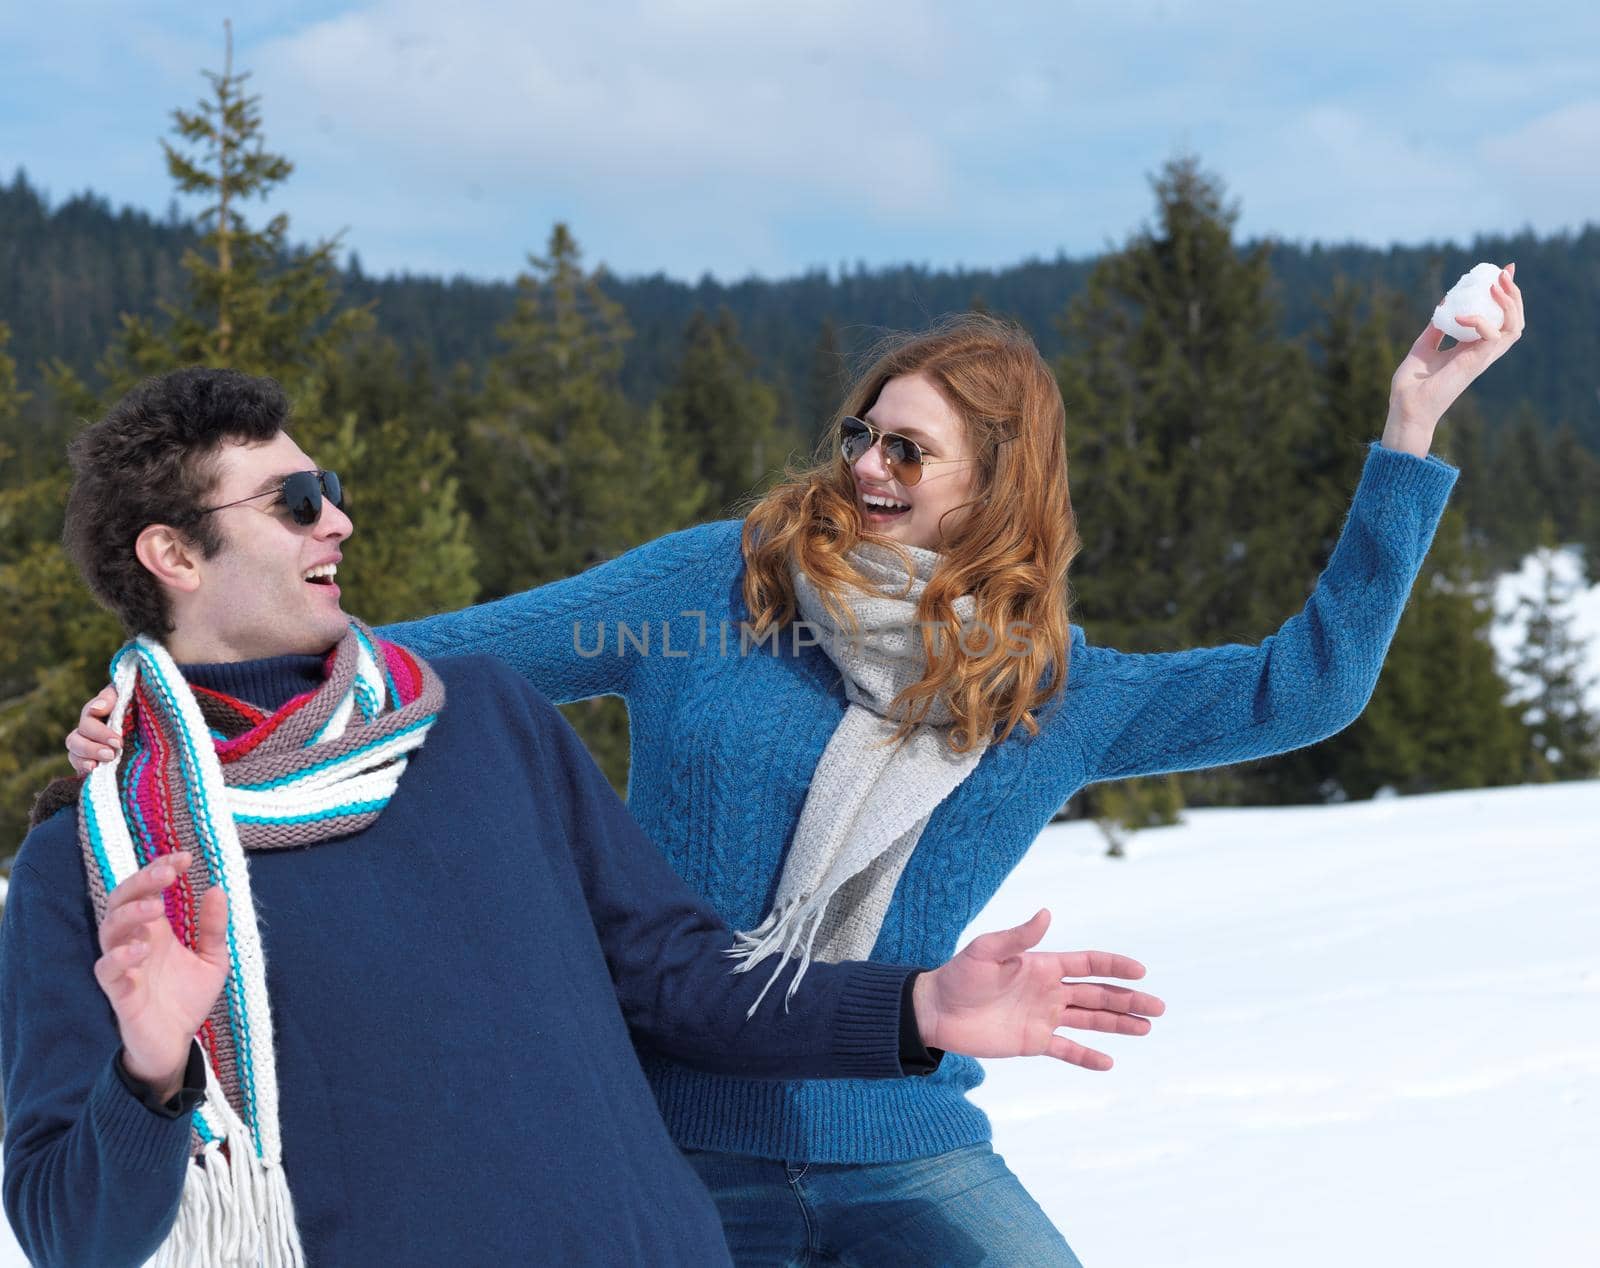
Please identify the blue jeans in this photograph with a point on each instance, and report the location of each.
(950, 1211)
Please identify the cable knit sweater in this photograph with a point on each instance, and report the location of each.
(726, 734)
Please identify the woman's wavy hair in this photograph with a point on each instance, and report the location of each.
(1010, 552)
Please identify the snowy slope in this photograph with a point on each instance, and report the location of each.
(1382, 1043)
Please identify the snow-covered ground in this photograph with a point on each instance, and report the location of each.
(1382, 1044)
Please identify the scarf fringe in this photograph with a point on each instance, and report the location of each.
(780, 934)
(236, 1208)
(870, 798)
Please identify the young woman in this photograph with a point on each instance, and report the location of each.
(853, 712)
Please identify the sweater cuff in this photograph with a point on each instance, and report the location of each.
(1395, 471)
(866, 1022)
(916, 1058)
(131, 1135)
(1401, 498)
(184, 1100)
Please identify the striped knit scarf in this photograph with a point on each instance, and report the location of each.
(203, 772)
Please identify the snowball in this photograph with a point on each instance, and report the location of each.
(1470, 297)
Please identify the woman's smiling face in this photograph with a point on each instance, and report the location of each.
(912, 406)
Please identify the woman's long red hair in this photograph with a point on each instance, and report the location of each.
(1011, 551)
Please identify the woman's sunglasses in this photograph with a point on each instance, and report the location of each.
(902, 455)
(302, 495)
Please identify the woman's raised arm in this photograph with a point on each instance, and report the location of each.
(549, 635)
(1151, 714)
(1172, 711)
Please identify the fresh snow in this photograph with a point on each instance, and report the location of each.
(1381, 1046)
(1382, 1043)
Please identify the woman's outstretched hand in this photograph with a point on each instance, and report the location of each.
(94, 742)
(1000, 998)
(1429, 381)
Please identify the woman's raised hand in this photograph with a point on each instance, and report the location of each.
(1429, 381)
(94, 742)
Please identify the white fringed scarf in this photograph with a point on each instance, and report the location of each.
(870, 798)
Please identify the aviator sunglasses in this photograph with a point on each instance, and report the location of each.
(902, 455)
(301, 493)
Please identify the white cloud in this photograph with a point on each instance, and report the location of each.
(654, 95)
(1339, 174)
(735, 135)
(1551, 165)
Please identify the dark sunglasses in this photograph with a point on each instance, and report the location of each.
(301, 493)
(902, 455)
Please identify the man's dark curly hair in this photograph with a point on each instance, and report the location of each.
(152, 460)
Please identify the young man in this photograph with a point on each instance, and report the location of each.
(344, 958)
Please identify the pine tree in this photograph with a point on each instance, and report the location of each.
(52, 633)
(1438, 718)
(12, 398)
(1523, 481)
(413, 552)
(826, 382)
(1575, 480)
(1551, 668)
(249, 303)
(252, 301)
(1187, 421)
(1582, 471)
(1466, 444)
(719, 411)
(1354, 354)
(1186, 416)
(254, 304)
(1589, 535)
(1122, 808)
(567, 472)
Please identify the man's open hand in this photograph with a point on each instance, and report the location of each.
(1000, 998)
(159, 989)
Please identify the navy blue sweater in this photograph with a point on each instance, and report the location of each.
(457, 993)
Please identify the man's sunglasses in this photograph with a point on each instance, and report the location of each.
(302, 495)
(902, 455)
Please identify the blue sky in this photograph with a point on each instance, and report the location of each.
(741, 137)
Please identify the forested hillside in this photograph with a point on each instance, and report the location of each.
(68, 271)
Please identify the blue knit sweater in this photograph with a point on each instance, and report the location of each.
(725, 739)
(454, 989)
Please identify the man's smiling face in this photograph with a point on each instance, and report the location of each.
(269, 591)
